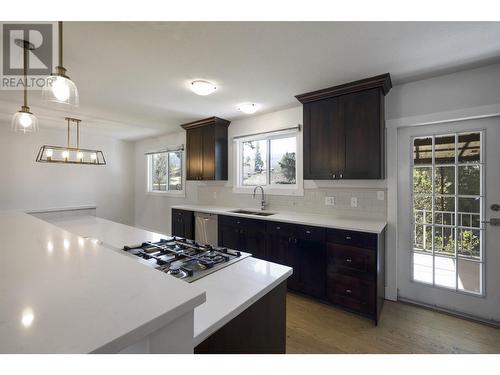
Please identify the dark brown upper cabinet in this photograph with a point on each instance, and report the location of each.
(206, 149)
(344, 130)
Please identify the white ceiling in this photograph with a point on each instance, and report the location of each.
(137, 72)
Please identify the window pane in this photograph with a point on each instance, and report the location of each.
(469, 148)
(444, 181)
(445, 272)
(422, 151)
(444, 210)
(444, 152)
(469, 276)
(422, 209)
(444, 240)
(422, 180)
(422, 268)
(175, 170)
(254, 160)
(283, 168)
(469, 243)
(159, 172)
(423, 238)
(469, 212)
(469, 180)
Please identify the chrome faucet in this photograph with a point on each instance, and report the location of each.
(263, 203)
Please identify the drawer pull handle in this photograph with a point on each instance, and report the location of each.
(348, 238)
(348, 260)
(238, 222)
(308, 231)
(278, 228)
(348, 291)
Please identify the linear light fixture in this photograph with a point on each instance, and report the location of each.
(68, 154)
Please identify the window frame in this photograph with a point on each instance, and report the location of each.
(167, 193)
(296, 189)
(456, 227)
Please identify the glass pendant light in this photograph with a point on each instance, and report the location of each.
(60, 88)
(24, 121)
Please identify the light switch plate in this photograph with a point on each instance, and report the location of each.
(380, 195)
(329, 201)
(354, 202)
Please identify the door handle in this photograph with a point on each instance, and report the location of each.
(494, 222)
(334, 176)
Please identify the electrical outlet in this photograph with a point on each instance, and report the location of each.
(354, 202)
(380, 195)
(329, 201)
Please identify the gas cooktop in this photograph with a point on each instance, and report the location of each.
(183, 258)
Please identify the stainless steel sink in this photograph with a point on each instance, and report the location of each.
(257, 213)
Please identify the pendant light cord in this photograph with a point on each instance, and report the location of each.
(60, 44)
(25, 70)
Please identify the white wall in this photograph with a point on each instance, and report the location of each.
(28, 185)
(153, 211)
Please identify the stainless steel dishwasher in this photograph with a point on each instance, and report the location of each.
(205, 230)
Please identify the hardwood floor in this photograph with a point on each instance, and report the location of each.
(314, 327)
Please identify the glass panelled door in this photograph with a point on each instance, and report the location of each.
(448, 188)
(447, 211)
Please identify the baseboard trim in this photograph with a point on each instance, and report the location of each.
(491, 323)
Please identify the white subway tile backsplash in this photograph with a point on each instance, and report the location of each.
(313, 201)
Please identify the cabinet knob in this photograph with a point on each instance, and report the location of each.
(308, 232)
(348, 238)
(278, 228)
(348, 260)
(348, 291)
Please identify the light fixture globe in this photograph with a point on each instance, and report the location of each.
(60, 89)
(24, 121)
(203, 88)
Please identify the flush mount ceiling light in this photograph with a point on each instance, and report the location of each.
(24, 121)
(203, 88)
(248, 108)
(60, 88)
(68, 154)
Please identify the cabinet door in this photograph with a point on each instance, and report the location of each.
(229, 236)
(279, 241)
(361, 156)
(208, 153)
(254, 239)
(311, 267)
(322, 137)
(183, 223)
(194, 163)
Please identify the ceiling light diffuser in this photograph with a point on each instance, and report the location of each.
(203, 88)
(248, 108)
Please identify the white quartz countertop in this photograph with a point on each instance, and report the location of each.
(61, 293)
(229, 291)
(361, 225)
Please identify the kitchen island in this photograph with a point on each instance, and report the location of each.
(62, 293)
(235, 295)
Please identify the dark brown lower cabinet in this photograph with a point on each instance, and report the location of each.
(345, 268)
(182, 223)
(260, 329)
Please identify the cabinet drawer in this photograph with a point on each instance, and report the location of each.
(279, 229)
(309, 233)
(346, 237)
(351, 292)
(346, 259)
